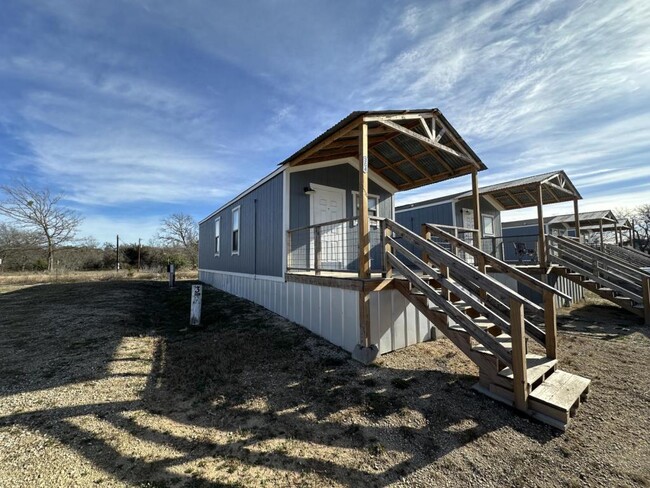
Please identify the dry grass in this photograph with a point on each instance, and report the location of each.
(103, 384)
(35, 278)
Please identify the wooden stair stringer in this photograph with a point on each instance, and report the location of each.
(589, 283)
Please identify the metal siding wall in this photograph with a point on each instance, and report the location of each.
(342, 176)
(396, 323)
(331, 313)
(269, 234)
(415, 217)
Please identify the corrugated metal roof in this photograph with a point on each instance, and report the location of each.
(407, 149)
(583, 216)
(519, 193)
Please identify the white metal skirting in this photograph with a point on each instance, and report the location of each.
(332, 313)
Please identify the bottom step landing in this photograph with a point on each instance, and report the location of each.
(554, 402)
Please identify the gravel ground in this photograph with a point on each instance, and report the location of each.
(102, 384)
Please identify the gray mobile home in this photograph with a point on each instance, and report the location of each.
(598, 227)
(316, 241)
(457, 211)
(291, 241)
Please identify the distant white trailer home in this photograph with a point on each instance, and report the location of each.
(291, 241)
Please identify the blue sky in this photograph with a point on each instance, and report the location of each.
(138, 109)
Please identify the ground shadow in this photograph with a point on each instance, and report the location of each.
(275, 393)
(603, 320)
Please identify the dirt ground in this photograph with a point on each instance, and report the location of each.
(103, 384)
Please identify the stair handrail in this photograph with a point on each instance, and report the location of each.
(497, 288)
(576, 254)
(517, 357)
(604, 257)
(498, 264)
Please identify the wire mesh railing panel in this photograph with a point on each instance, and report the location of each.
(332, 246)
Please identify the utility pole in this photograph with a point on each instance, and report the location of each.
(139, 247)
(117, 254)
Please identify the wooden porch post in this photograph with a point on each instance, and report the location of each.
(577, 218)
(364, 237)
(600, 224)
(476, 203)
(540, 228)
(616, 233)
(519, 366)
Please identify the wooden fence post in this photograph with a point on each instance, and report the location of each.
(195, 307)
(172, 275)
(519, 368)
(550, 323)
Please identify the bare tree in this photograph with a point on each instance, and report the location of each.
(640, 219)
(180, 230)
(41, 212)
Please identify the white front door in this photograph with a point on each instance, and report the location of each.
(327, 205)
(468, 223)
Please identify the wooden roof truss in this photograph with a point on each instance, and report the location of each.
(408, 150)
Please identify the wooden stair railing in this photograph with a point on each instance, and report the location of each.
(453, 274)
(549, 338)
(610, 278)
(487, 321)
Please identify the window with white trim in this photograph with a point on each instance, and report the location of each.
(235, 230)
(217, 236)
(373, 207)
(488, 225)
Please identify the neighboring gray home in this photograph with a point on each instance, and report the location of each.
(456, 210)
(290, 242)
(595, 227)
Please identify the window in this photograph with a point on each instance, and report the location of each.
(373, 206)
(217, 236)
(235, 230)
(488, 225)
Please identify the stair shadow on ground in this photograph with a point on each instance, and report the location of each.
(603, 321)
(251, 392)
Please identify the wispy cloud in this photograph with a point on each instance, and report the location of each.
(146, 104)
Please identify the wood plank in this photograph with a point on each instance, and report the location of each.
(536, 366)
(520, 372)
(425, 140)
(493, 286)
(459, 317)
(561, 390)
(498, 264)
(329, 281)
(331, 138)
(450, 285)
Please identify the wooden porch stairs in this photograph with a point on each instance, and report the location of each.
(486, 321)
(602, 273)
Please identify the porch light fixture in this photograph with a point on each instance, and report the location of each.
(309, 190)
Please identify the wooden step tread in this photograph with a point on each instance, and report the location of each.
(459, 305)
(605, 290)
(504, 339)
(484, 324)
(537, 367)
(561, 390)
